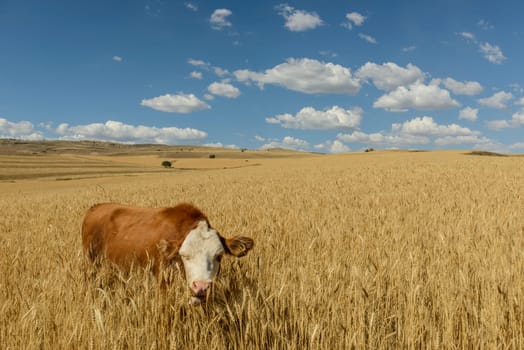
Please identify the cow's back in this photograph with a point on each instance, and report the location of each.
(122, 234)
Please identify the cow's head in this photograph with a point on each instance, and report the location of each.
(201, 253)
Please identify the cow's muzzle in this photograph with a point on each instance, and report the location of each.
(199, 290)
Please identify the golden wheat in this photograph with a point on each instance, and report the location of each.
(379, 251)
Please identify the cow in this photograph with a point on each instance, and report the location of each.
(161, 238)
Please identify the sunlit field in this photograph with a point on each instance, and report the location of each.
(374, 250)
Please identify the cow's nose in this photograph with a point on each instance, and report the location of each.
(200, 288)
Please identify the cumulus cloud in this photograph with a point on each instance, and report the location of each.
(356, 18)
(208, 67)
(469, 88)
(335, 146)
(196, 75)
(368, 38)
(520, 102)
(498, 124)
(469, 113)
(19, 130)
(223, 89)
(416, 96)
(120, 132)
(353, 18)
(497, 100)
(517, 145)
(426, 126)
(219, 19)
(329, 119)
(468, 35)
(298, 20)
(191, 6)
(383, 139)
(389, 76)
(517, 119)
(197, 63)
(305, 75)
(463, 140)
(287, 142)
(415, 132)
(179, 103)
(220, 71)
(492, 53)
(220, 145)
(117, 59)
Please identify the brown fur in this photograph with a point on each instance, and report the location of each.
(127, 235)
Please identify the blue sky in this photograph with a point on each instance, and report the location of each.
(324, 76)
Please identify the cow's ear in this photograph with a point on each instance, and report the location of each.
(238, 246)
(167, 249)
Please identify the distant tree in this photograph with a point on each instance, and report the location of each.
(166, 164)
(211, 156)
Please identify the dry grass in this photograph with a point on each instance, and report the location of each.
(377, 250)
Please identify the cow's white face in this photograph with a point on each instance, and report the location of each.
(201, 253)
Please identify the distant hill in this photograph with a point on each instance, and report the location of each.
(54, 147)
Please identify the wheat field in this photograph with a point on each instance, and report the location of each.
(376, 250)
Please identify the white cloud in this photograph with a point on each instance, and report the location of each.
(329, 119)
(287, 142)
(220, 145)
(180, 103)
(191, 6)
(469, 88)
(468, 35)
(196, 75)
(520, 102)
(356, 18)
(384, 139)
(389, 76)
(415, 132)
(333, 147)
(517, 145)
(260, 138)
(409, 48)
(416, 96)
(305, 75)
(19, 130)
(462, 140)
(223, 89)
(220, 72)
(120, 132)
(117, 59)
(298, 20)
(197, 63)
(497, 101)
(368, 38)
(469, 113)
(208, 67)
(426, 126)
(498, 124)
(492, 53)
(485, 25)
(517, 120)
(219, 20)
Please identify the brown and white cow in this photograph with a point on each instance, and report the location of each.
(162, 237)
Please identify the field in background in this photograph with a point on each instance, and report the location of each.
(378, 250)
